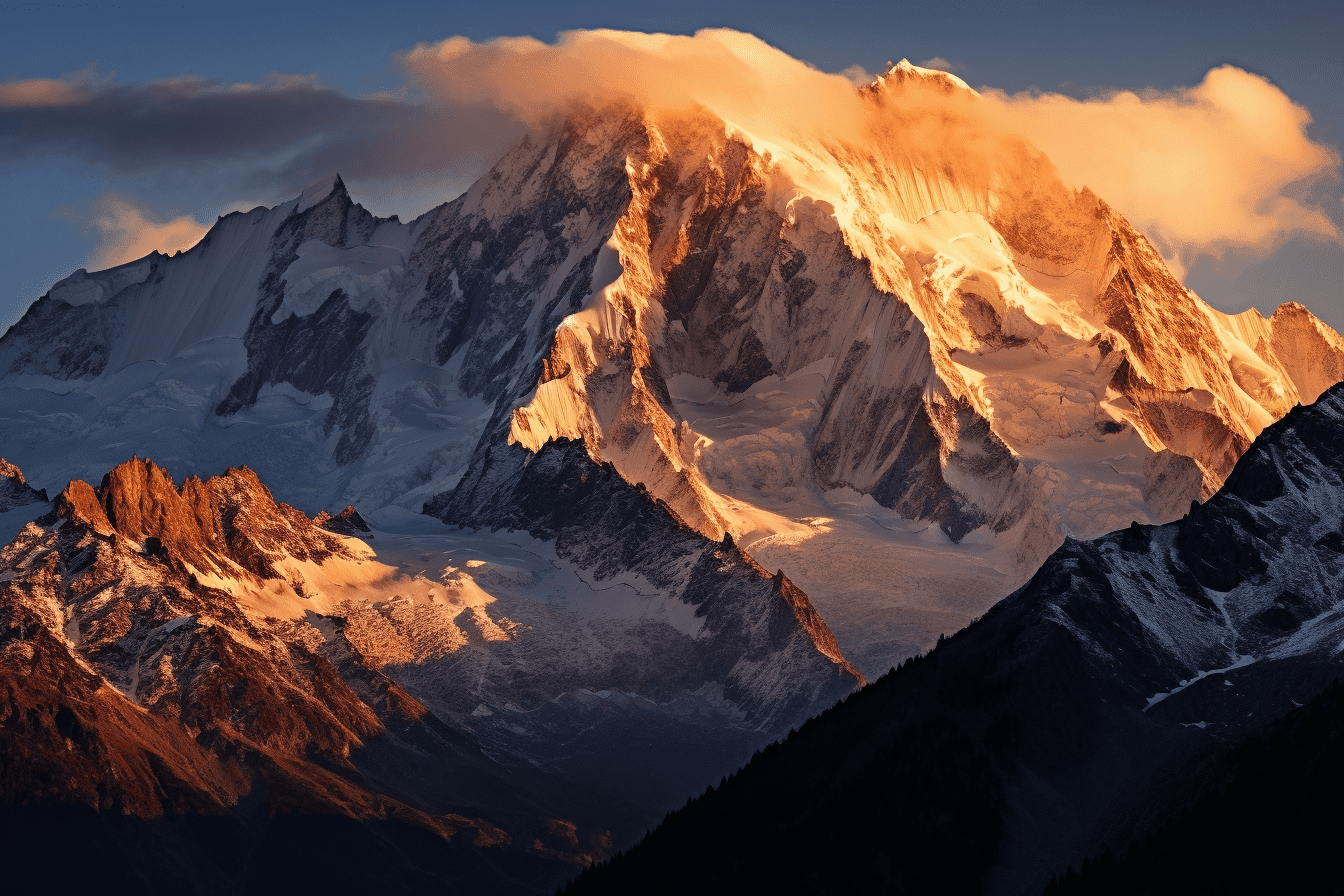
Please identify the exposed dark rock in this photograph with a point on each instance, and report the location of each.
(752, 365)
(15, 492)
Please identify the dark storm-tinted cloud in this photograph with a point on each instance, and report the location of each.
(256, 137)
(1218, 165)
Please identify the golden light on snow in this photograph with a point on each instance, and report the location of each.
(1200, 168)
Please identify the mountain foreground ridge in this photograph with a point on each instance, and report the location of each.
(1087, 710)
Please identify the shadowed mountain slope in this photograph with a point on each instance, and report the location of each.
(1055, 725)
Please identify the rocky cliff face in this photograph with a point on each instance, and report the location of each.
(155, 677)
(15, 492)
(757, 634)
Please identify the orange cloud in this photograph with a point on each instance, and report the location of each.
(1200, 169)
(125, 233)
(40, 92)
(736, 76)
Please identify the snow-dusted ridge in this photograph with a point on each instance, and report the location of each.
(1080, 715)
(1245, 583)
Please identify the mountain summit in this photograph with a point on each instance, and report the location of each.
(664, 436)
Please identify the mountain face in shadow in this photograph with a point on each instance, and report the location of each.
(1065, 721)
(1268, 819)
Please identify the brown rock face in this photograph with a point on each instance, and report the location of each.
(215, 526)
(121, 562)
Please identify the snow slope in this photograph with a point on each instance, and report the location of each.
(1082, 713)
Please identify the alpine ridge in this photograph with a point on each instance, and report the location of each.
(154, 707)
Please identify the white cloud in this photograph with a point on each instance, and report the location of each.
(942, 65)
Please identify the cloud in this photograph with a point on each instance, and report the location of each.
(230, 139)
(125, 233)
(736, 76)
(68, 90)
(1201, 168)
(39, 93)
(942, 65)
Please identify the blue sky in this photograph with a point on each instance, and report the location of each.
(1078, 49)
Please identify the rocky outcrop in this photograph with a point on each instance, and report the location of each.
(226, 526)
(347, 522)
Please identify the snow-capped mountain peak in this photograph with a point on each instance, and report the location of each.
(320, 190)
(903, 72)
(788, 339)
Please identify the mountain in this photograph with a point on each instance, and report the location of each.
(1091, 707)
(15, 492)
(185, 665)
(171, 683)
(18, 500)
(867, 358)
(584, 410)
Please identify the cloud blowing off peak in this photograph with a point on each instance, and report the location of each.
(1202, 168)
